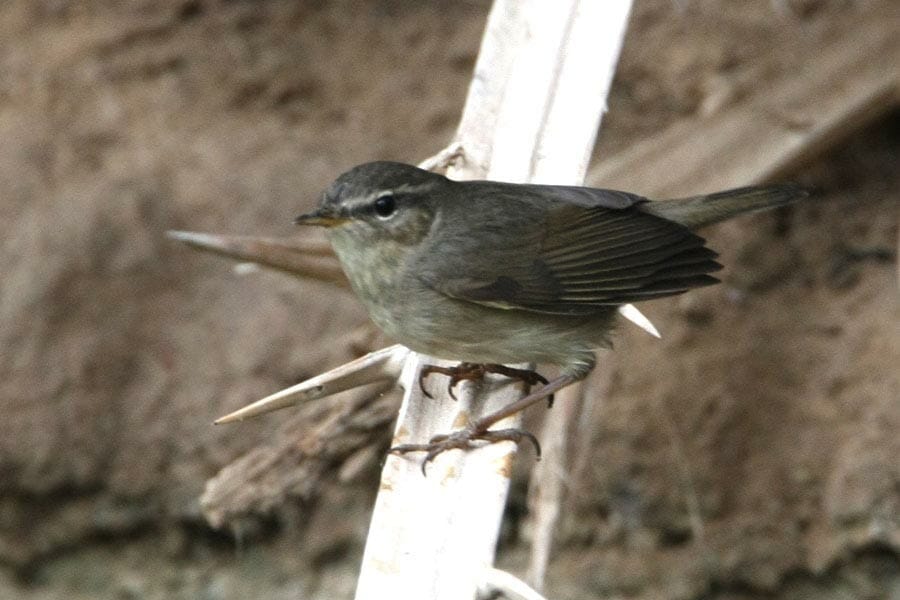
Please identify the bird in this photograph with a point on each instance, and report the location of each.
(490, 273)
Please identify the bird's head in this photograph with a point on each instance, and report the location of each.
(377, 202)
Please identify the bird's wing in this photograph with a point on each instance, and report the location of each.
(578, 259)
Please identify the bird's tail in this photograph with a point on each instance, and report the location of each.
(698, 211)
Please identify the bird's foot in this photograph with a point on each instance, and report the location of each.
(465, 439)
(480, 430)
(477, 371)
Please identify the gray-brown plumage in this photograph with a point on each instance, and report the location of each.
(490, 272)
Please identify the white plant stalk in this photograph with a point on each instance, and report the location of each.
(533, 108)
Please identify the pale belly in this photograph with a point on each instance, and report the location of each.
(452, 329)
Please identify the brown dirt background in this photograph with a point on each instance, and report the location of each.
(772, 399)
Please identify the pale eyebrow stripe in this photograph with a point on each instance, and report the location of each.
(356, 203)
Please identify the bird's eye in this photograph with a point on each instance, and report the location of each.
(385, 206)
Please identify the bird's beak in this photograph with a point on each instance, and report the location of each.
(320, 217)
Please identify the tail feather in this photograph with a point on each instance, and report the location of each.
(698, 211)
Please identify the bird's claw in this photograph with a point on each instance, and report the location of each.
(465, 439)
(460, 372)
(474, 371)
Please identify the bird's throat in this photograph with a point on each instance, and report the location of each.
(374, 273)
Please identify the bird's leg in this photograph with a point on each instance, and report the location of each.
(479, 430)
(475, 371)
